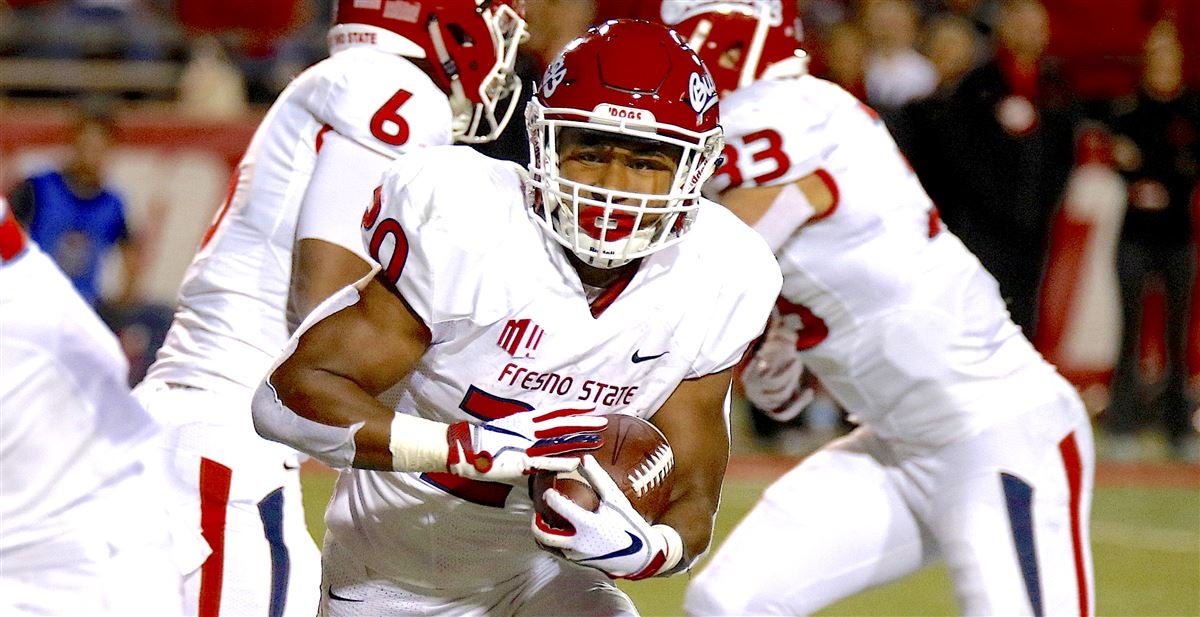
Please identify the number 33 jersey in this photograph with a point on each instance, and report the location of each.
(513, 329)
(898, 319)
(231, 320)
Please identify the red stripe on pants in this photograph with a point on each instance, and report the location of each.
(1074, 467)
(214, 498)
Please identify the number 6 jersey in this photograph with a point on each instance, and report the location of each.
(230, 323)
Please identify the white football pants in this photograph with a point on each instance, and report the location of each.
(243, 493)
(1007, 510)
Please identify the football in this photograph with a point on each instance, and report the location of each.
(636, 456)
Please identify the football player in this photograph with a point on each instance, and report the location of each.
(970, 448)
(598, 281)
(81, 469)
(401, 76)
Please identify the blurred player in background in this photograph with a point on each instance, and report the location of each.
(532, 302)
(970, 447)
(400, 76)
(77, 216)
(80, 473)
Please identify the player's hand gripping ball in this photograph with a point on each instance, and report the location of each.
(636, 456)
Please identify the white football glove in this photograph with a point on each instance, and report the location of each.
(615, 538)
(509, 448)
(771, 379)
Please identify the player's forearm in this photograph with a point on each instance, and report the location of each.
(334, 420)
(692, 516)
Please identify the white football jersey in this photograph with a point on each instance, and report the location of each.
(70, 432)
(230, 323)
(900, 321)
(512, 329)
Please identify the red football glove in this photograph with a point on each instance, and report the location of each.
(509, 448)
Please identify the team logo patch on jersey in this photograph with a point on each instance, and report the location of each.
(520, 338)
(702, 92)
(554, 76)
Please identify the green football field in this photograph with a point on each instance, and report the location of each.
(1145, 539)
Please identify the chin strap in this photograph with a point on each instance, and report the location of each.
(461, 107)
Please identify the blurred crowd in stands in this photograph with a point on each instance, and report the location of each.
(987, 99)
(888, 52)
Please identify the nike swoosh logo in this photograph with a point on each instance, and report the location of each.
(635, 545)
(334, 596)
(636, 358)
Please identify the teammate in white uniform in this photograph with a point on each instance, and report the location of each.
(970, 447)
(80, 474)
(599, 282)
(400, 76)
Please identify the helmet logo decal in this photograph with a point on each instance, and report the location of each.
(702, 92)
(367, 4)
(556, 72)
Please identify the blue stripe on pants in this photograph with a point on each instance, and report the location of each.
(1018, 495)
(270, 509)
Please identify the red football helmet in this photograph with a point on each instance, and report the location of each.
(639, 80)
(471, 46)
(739, 40)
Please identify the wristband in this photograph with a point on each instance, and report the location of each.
(418, 444)
(666, 559)
(674, 549)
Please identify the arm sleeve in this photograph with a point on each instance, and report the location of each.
(340, 190)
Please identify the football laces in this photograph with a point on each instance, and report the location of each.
(652, 470)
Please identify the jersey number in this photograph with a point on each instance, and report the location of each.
(387, 227)
(764, 145)
(387, 125)
(486, 407)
